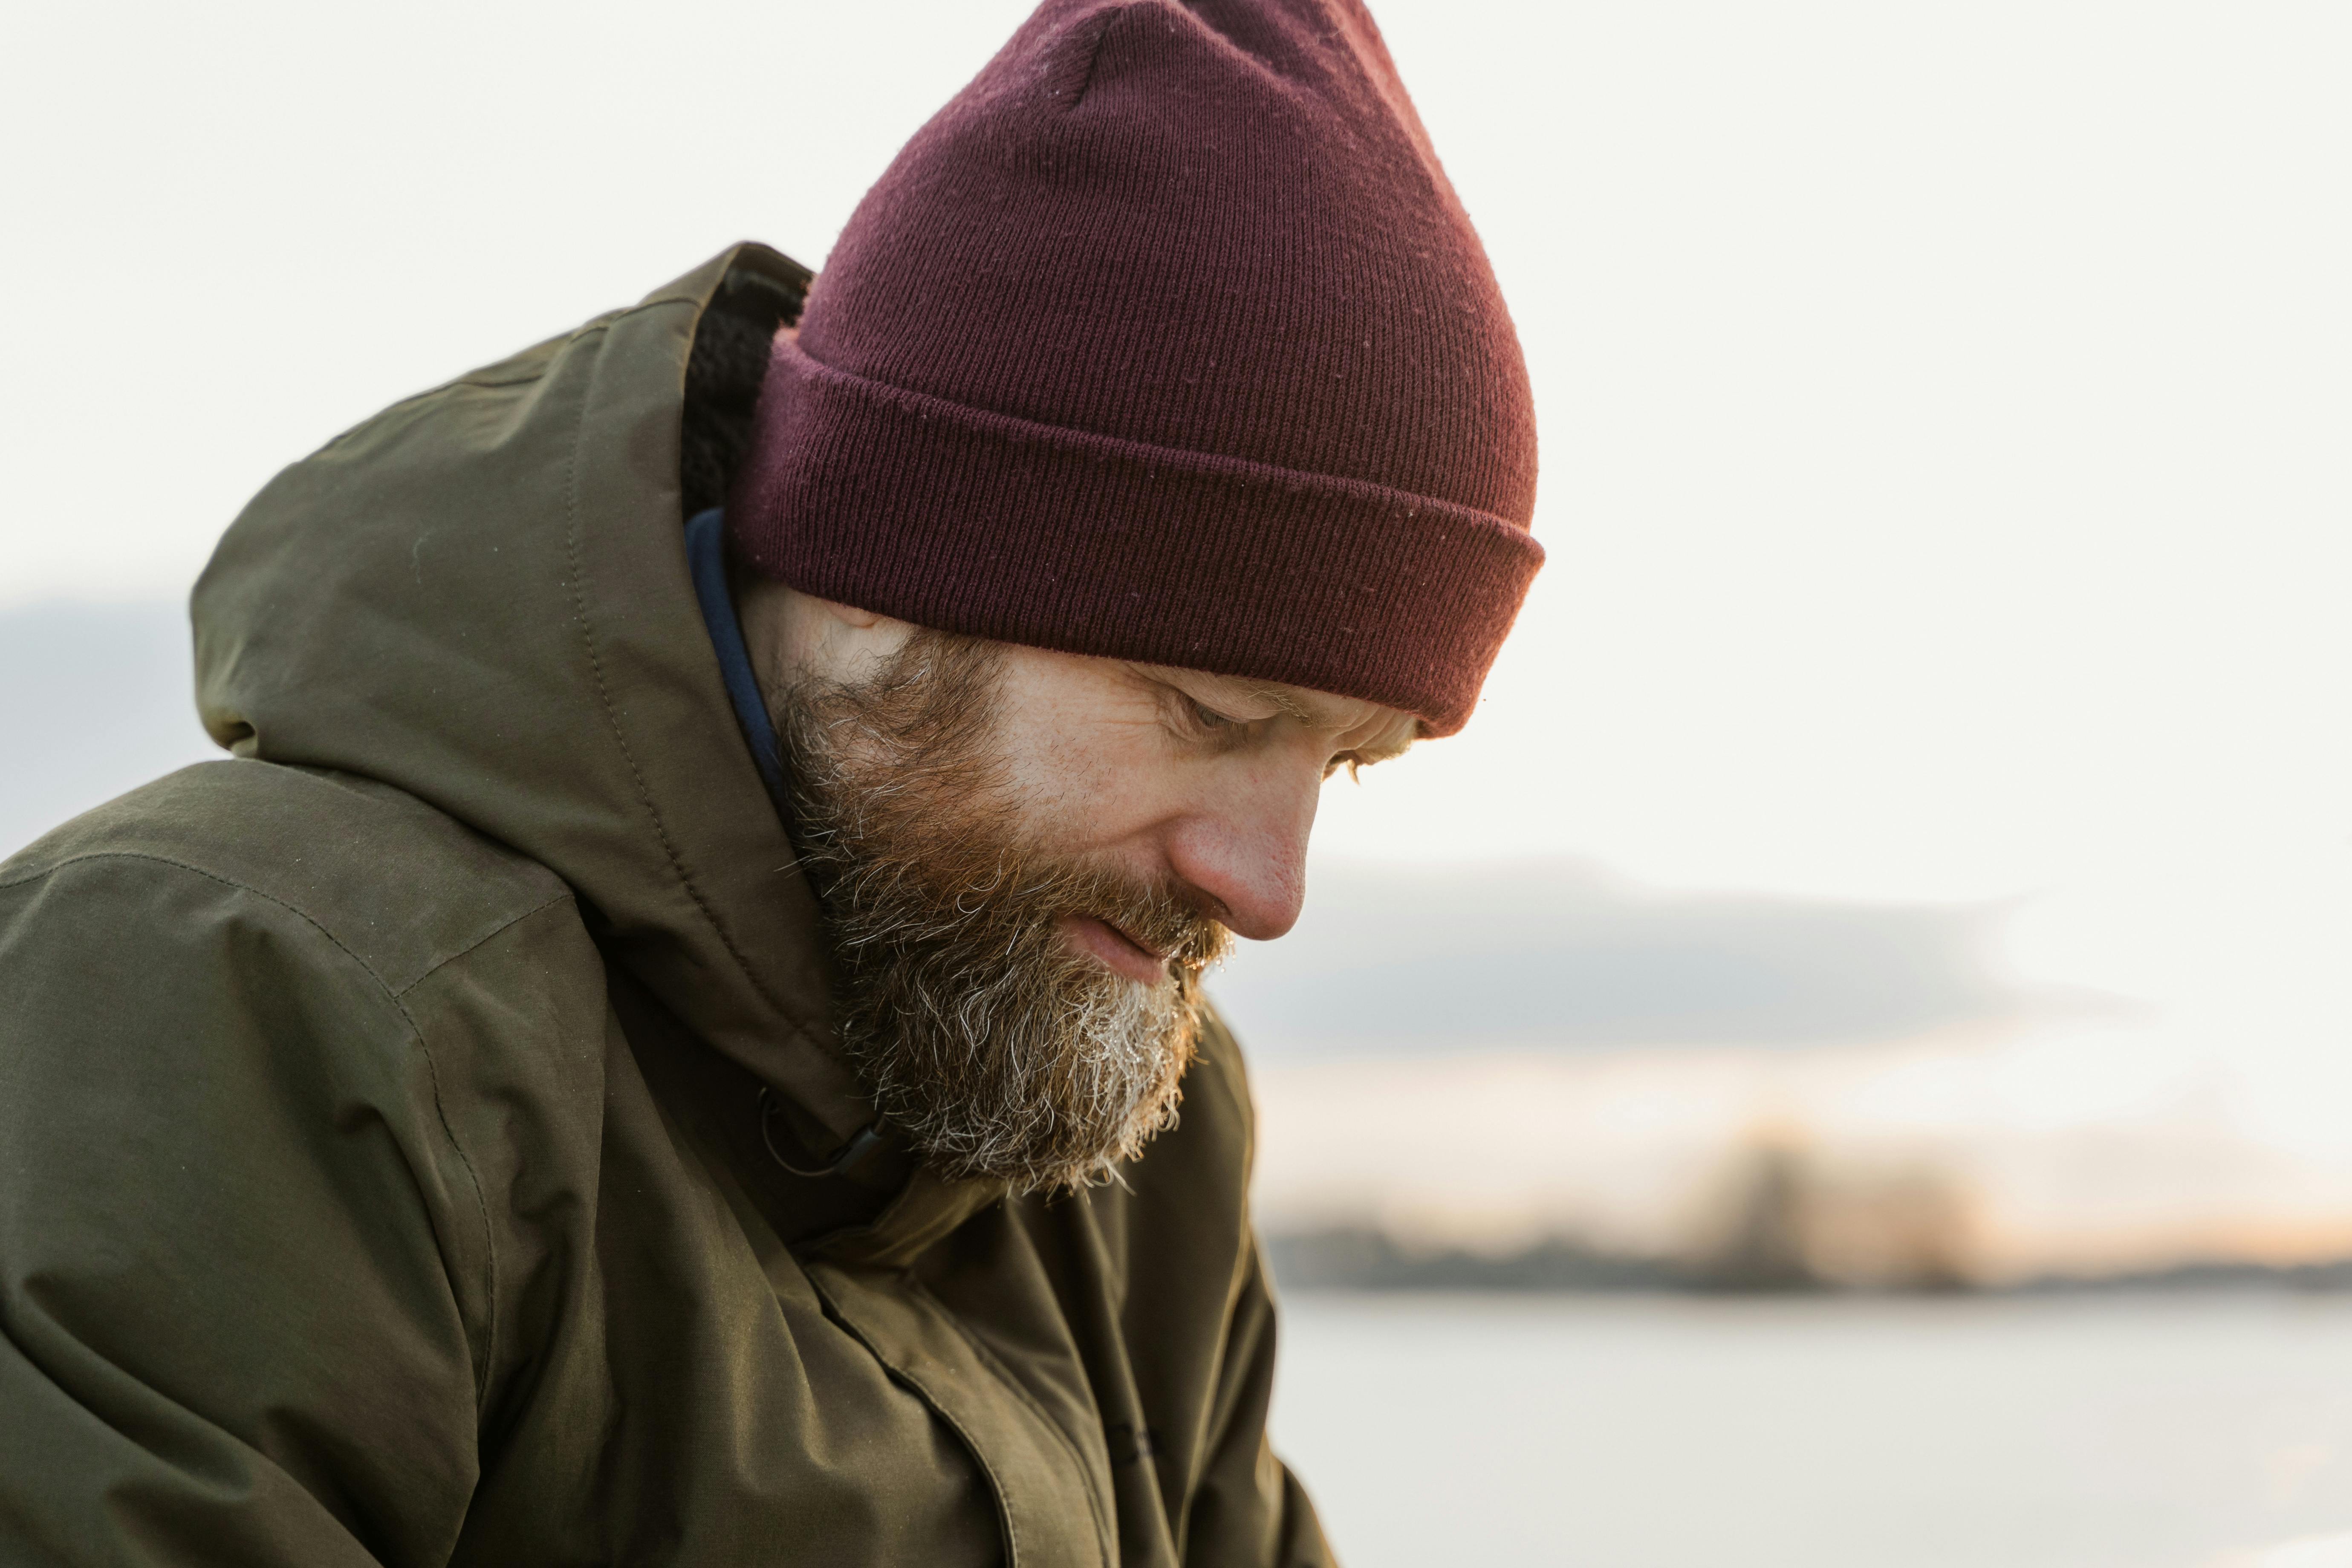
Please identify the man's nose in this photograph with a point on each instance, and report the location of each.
(1243, 848)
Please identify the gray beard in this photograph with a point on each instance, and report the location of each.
(997, 1050)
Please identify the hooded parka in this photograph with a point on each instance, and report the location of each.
(394, 1118)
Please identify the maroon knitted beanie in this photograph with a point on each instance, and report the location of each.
(1166, 340)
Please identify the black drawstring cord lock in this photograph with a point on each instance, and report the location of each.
(856, 1149)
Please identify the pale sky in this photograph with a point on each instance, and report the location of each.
(1944, 408)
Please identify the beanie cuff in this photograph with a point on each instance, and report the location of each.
(993, 526)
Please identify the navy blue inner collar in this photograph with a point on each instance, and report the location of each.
(706, 557)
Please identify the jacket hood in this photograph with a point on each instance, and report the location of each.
(481, 596)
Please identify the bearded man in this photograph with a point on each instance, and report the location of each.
(646, 1052)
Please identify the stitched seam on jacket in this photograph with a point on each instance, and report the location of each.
(1106, 1538)
(415, 1035)
(504, 926)
(931, 1402)
(578, 586)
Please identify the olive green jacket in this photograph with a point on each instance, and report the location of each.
(383, 1161)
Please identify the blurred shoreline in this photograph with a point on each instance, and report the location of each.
(1362, 1259)
(1904, 1168)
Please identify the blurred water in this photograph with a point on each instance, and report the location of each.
(2084, 1431)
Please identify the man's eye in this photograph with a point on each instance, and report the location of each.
(1210, 719)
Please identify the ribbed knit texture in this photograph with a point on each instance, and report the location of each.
(1166, 340)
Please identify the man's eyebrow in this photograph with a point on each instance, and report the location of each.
(1396, 740)
(1284, 700)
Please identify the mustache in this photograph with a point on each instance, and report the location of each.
(949, 894)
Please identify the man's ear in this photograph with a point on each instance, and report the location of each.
(792, 636)
(850, 614)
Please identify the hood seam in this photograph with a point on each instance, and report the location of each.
(578, 587)
(489, 936)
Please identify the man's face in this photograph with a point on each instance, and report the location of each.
(1027, 859)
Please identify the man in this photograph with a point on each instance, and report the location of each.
(647, 1053)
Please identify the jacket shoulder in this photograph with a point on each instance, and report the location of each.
(238, 1213)
(400, 886)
